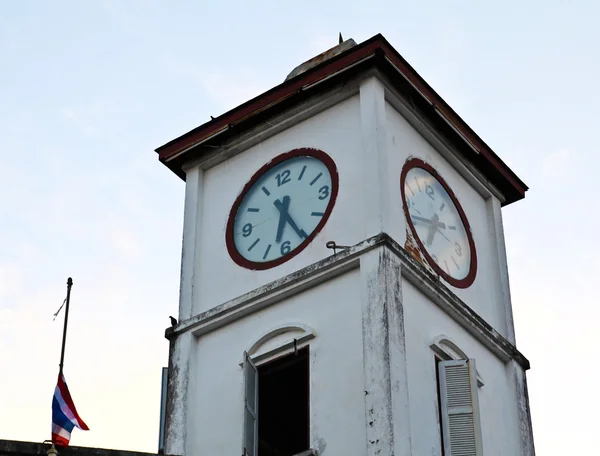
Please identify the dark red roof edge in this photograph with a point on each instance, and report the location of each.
(453, 117)
(270, 98)
(369, 48)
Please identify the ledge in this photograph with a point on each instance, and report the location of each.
(338, 264)
(19, 448)
(310, 452)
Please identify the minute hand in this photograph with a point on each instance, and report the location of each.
(282, 207)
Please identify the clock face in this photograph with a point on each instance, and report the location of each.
(282, 208)
(438, 223)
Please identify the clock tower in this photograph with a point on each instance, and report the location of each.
(344, 285)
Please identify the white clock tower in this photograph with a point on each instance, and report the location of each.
(344, 286)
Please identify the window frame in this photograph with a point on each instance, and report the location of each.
(250, 369)
(254, 358)
(456, 402)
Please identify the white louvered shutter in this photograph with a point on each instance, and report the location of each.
(461, 428)
(250, 407)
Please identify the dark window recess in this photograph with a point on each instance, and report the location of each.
(439, 401)
(283, 406)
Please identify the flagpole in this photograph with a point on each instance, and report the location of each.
(64, 413)
(64, 338)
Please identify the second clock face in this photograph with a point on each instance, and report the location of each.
(438, 223)
(282, 208)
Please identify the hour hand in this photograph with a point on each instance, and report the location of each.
(428, 221)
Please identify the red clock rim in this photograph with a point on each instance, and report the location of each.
(470, 277)
(301, 152)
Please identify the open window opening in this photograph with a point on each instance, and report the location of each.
(283, 406)
(281, 390)
(439, 402)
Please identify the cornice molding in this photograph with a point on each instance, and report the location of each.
(338, 264)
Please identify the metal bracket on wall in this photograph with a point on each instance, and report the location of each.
(335, 247)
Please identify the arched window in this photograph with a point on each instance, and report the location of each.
(447, 350)
(281, 340)
(277, 396)
(458, 382)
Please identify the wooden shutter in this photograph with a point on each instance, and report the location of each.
(461, 428)
(250, 407)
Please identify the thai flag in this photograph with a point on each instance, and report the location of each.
(64, 414)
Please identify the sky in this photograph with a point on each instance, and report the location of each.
(89, 89)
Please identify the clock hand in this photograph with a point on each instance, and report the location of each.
(420, 219)
(282, 207)
(445, 237)
(301, 233)
(425, 220)
(430, 235)
(285, 216)
(432, 229)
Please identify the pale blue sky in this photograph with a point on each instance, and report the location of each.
(89, 89)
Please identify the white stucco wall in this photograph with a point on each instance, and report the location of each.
(370, 141)
(424, 322)
(335, 131)
(337, 413)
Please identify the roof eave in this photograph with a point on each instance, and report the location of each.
(171, 153)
